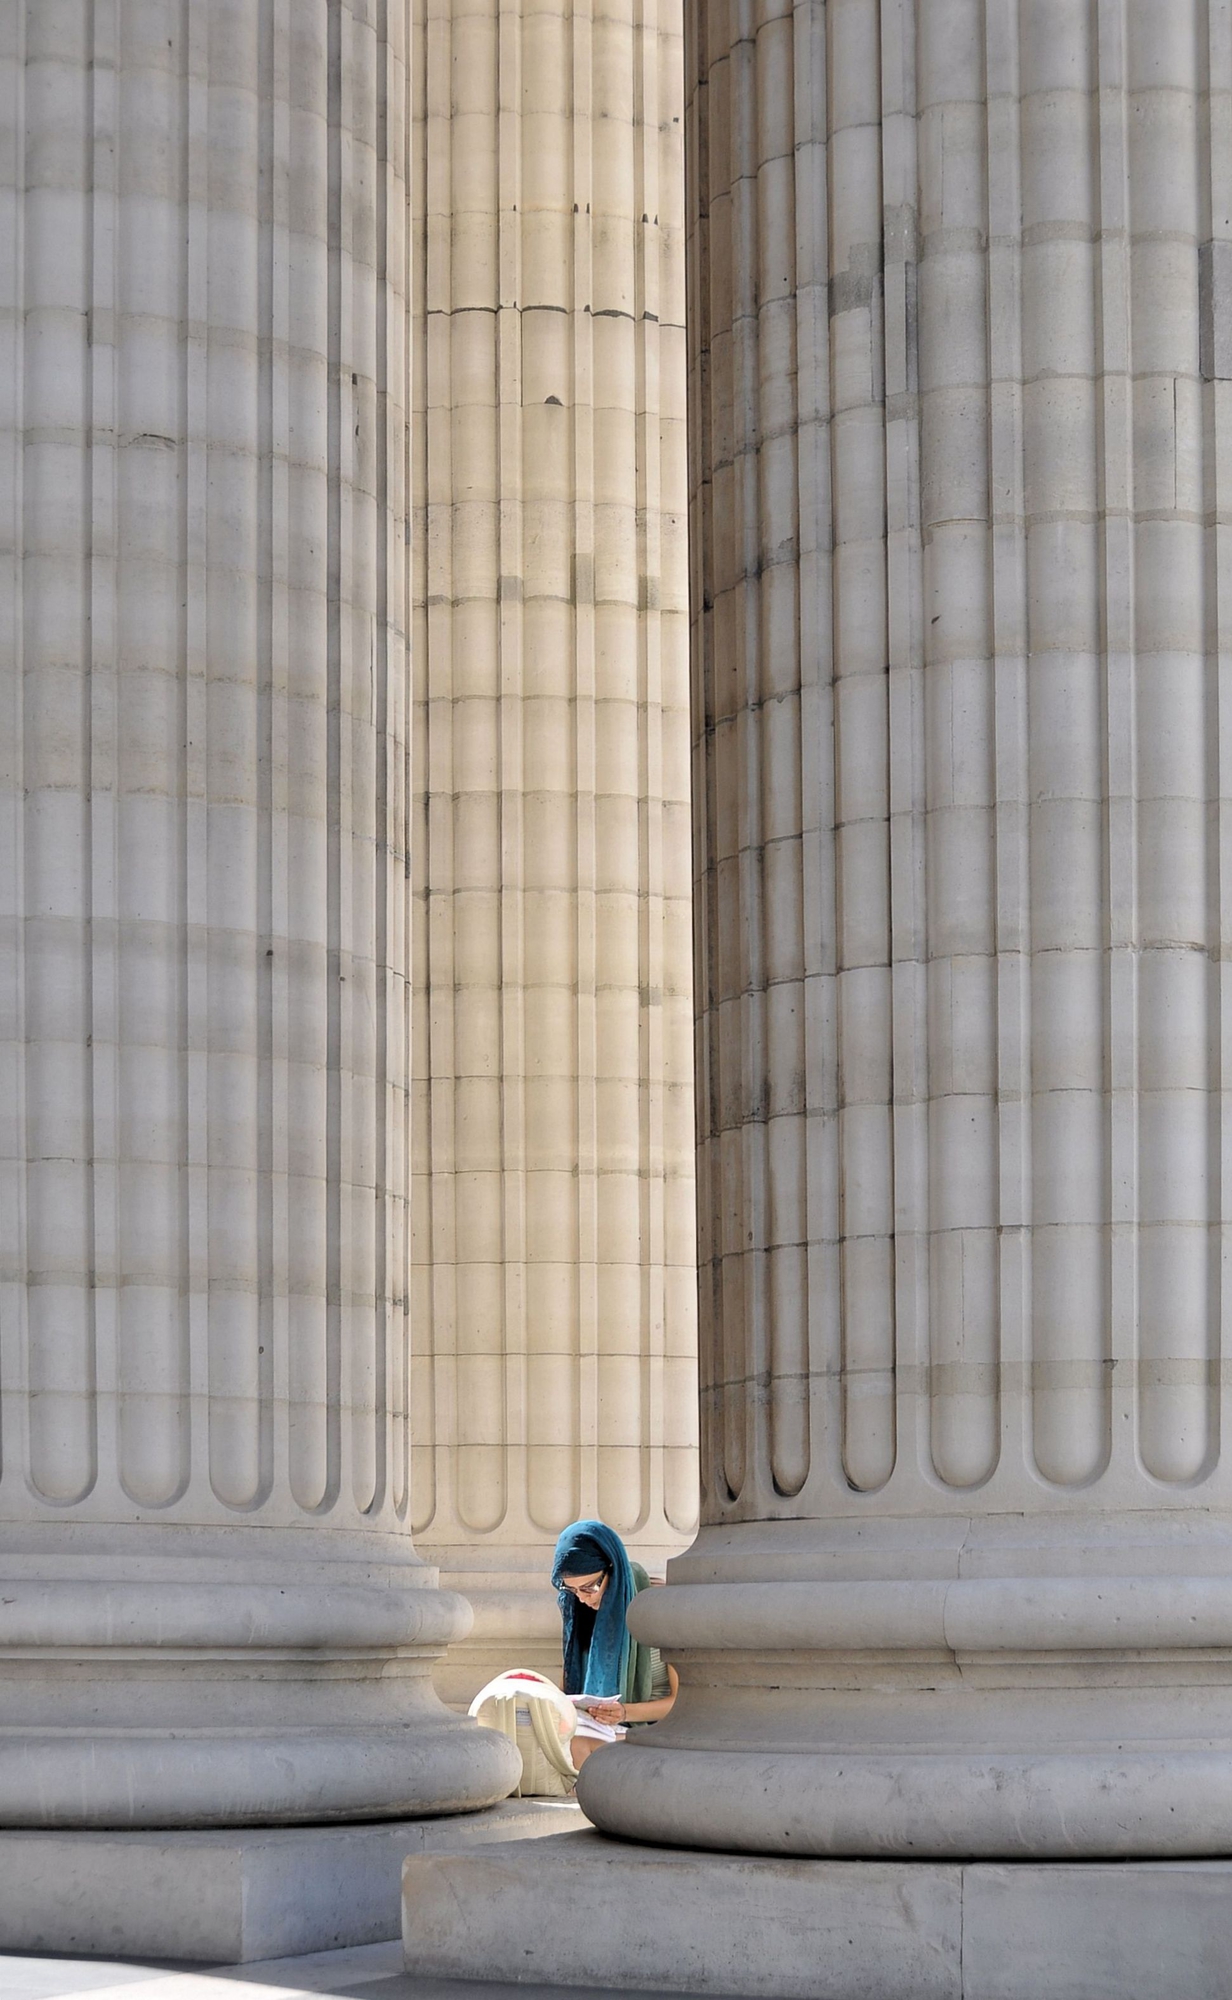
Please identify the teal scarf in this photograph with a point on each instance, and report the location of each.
(601, 1655)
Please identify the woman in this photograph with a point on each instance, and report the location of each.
(596, 1583)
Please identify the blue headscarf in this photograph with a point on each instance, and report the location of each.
(600, 1655)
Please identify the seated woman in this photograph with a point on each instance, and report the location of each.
(596, 1583)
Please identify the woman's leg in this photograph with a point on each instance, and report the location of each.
(581, 1747)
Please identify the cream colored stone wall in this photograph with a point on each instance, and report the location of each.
(213, 1610)
(554, 1308)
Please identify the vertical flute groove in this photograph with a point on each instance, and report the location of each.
(1172, 721)
(735, 1362)
(390, 846)
(103, 886)
(1117, 595)
(267, 362)
(1007, 169)
(61, 1447)
(335, 1276)
(959, 775)
(14, 1241)
(862, 743)
(907, 971)
(1070, 1419)
(1216, 394)
(710, 1208)
(779, 693)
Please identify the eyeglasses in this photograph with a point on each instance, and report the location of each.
(594, 1588)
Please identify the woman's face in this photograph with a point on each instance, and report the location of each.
(588, 1589)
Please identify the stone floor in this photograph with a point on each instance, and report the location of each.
(370, 1972)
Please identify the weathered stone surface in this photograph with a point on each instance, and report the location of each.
(659, 1919)
(554, 1272)
(1130, 1932)
(226, 1898)
(211, 1611)
(964, 945)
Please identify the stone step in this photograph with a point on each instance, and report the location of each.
(223, 1897)
(595, 1913)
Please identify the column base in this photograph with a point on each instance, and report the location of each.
(1053, 1699)
(158, 1688)
(185, 1778)
(228, 1898)
(943, 1806)
(662, 1921)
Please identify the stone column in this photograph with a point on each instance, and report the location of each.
(211, 1610)
(555, 1310)
(962, 317)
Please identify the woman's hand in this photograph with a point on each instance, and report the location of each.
(650, 1711)
(610, 1712)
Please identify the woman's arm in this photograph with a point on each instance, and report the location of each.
(640, 1711)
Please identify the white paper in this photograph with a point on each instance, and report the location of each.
(599, 1732)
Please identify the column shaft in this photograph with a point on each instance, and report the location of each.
(555, 1318)
(212, 1607)
(960, 394)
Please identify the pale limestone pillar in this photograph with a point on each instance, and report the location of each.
(961, 393)
(555, 1303)
(210, 1607)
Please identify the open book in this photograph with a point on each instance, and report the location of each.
(599, 1732)
(590, 1725)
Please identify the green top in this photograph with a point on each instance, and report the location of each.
(660, 1685)
(646, 1677)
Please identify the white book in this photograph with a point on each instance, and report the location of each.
(599, 1732)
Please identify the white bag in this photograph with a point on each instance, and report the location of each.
(541, 1720)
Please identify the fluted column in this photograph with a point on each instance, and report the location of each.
(211, 1610)
(555, 1315)
(960, 343)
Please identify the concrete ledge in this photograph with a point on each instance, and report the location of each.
(226, 1898)
(666, 1920)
